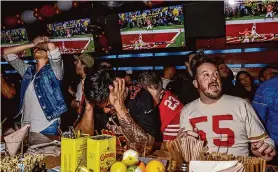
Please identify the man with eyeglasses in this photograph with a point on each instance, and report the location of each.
(41, 99)
(228, 124)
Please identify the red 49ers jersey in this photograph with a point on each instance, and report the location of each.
(228, 125)
(169, 109)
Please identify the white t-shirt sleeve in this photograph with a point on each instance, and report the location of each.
(79, 92)
(184, 119)
(254, 127)
(56, 62)
(17, 63)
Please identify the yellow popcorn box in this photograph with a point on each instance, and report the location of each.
(101, 152)
(73, 153)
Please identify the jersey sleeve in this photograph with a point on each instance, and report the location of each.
(254, 127)
(169, 108)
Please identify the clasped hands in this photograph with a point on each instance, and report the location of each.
(40, 39)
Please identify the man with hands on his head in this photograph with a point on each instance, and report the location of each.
(41, 99)
(227, 123)
(131, 111)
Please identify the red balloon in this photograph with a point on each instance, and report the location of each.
(10, 20)
(103, 41)
(47, 11)
(156, 2)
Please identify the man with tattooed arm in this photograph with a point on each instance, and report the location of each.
(131, 110)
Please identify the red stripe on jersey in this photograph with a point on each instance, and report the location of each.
(171, 131)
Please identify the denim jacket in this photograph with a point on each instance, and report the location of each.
(47, 83)
(266, 104)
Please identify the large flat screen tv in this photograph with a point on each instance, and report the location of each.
(72, 36)
(153, 28)
(13, 37)
(251, 21)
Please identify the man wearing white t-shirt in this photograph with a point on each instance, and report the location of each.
(227, 123)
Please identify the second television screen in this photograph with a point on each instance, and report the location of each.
(251, 21)
(72, 36)
(155, 28)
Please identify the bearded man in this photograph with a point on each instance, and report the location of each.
(227, 123)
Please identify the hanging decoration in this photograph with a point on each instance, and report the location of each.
(103, 41)
(57, 11)
(75, 4)
(10, 20)
(112, 4)
(64, 5)
(151, 3)
(28, 16)
(40, 18)
(156, 2)
(47, 11)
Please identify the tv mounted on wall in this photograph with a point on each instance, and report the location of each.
(153, 28)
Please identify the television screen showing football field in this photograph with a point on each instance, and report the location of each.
(250, 21)
(154, 28)
(72, 36)
(14, 37)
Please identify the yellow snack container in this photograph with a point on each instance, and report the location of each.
(101, 152)
(73, 153)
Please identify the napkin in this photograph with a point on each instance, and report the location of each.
(14, 140)
(215, 166)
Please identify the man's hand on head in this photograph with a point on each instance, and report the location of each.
(117, 93)
(38, 40)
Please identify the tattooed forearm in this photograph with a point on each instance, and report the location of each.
(133, 132)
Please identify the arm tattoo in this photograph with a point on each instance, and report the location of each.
(133, 132)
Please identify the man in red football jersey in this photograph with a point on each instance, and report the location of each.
(168, 104)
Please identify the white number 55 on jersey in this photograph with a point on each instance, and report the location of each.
(171, 102)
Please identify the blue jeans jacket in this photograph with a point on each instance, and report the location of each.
(48, 91)
(265, 103)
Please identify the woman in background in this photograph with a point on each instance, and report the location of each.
(245, 86)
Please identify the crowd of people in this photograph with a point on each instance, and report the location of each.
(238, 119)
(251, 8)
(69, 28)
(13, 36)
(165, 16)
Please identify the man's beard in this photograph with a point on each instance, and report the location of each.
(215, 96)
(212, 96)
